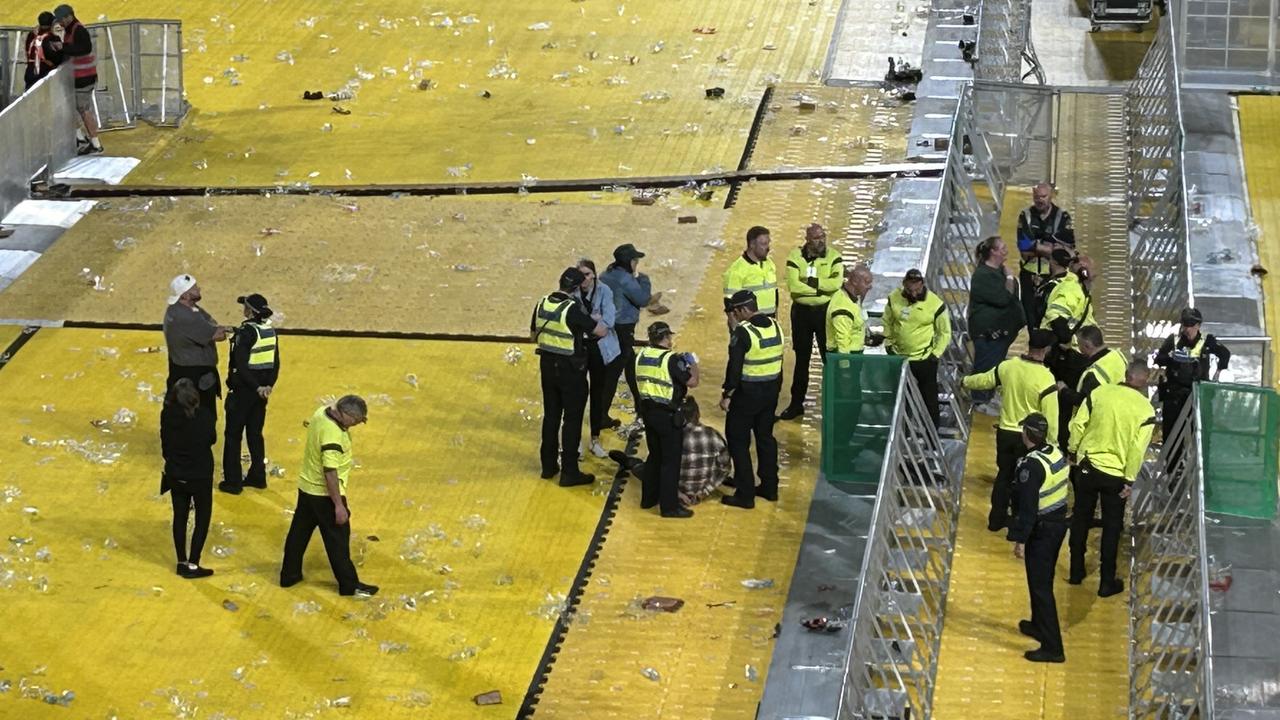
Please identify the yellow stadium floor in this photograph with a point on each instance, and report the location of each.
(1259, 123)
(607, 89)
(981, 671)
(473, 551)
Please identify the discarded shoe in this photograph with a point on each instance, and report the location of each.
(312, 95)
(715, 92)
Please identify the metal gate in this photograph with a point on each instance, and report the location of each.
(1020, 124)
(139, 71)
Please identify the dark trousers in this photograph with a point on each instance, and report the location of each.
(808, 322)
(752, 411)
(564, 400)
(1091, 486)
(1009, 449)
(926, 374)
(1027, 284)
(1041, 558)
(316, 511)
(603, 382)
(1173, 400)
(186, 495)
(246, 415)
(626, 363)
(208, 396)
(988, 353)
(660, 478)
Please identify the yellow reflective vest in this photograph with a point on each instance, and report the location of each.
(1026, 386)
(764, 357)
(760, 278)
(1106, 370)
(1112, 429)
(1057, 474)
(553, 334)
(814, 283)
(262, 356)
(653, 375)
(1069, 300)
(916, 330)
(846, 324)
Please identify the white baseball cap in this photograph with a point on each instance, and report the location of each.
(180, 285)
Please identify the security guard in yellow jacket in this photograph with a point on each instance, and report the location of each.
(663, 377)
(1068, 306)
(752, 383)
(754, 271)
(1109, 438)
(918, 327)
(815, 273)
(559, 325)
(1039, 526)
(846, 320)
(254, 367)
(1104, 367)
(1026, 387)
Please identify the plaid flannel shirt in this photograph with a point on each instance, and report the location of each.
(704, 462)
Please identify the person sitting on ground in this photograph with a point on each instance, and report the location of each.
(187, 434)
(704, 457)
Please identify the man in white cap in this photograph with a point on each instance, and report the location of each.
(190, 335)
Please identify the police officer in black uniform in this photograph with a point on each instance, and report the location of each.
(752, 383)
(253, 369)
(1041, 481)
(1042, 228)
(560, 325)
(1185, 359)
(663, 378)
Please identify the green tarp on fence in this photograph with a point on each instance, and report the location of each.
(1238, 435)
(858, 396)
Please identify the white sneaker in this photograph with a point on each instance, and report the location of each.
(597, 450)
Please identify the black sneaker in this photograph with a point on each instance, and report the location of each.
(1044, 656)
(194, 572)
(259, 483)
(289, 582)
(1114, 587)
(230, 488)
(1026, 628)
(548, 474)
(365, 590)
(681, 512)
(581, 479)
(735, 501)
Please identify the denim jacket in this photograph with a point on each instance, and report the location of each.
(629, 293)
(602, 304)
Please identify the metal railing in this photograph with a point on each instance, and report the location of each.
(896, 621)
(1170, 676)
(139, 71)
(1004, 33)
(1160, 261)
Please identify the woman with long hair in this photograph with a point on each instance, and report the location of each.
(603, 355)
(187, 435)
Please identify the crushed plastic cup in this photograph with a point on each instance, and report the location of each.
(651, 674)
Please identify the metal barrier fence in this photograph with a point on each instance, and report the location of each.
(139, 71)
(897, 616)
(1170, 676)
(1004, 37)
(37, 133)
(1157, 195)
(1229, 45)
(1020, 124)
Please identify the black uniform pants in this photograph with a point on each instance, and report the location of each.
(626, 363)
(1173, 399)
(1041, 559)
(926, 374)
(808, 322)
(1027, 284)
(316, 511)
(603, 384)
(660, 478)
(1009, 449)
(1091, 486)
(246, 416)
(186, 495)
(564, 400)
(752, 411)
(199, 375)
